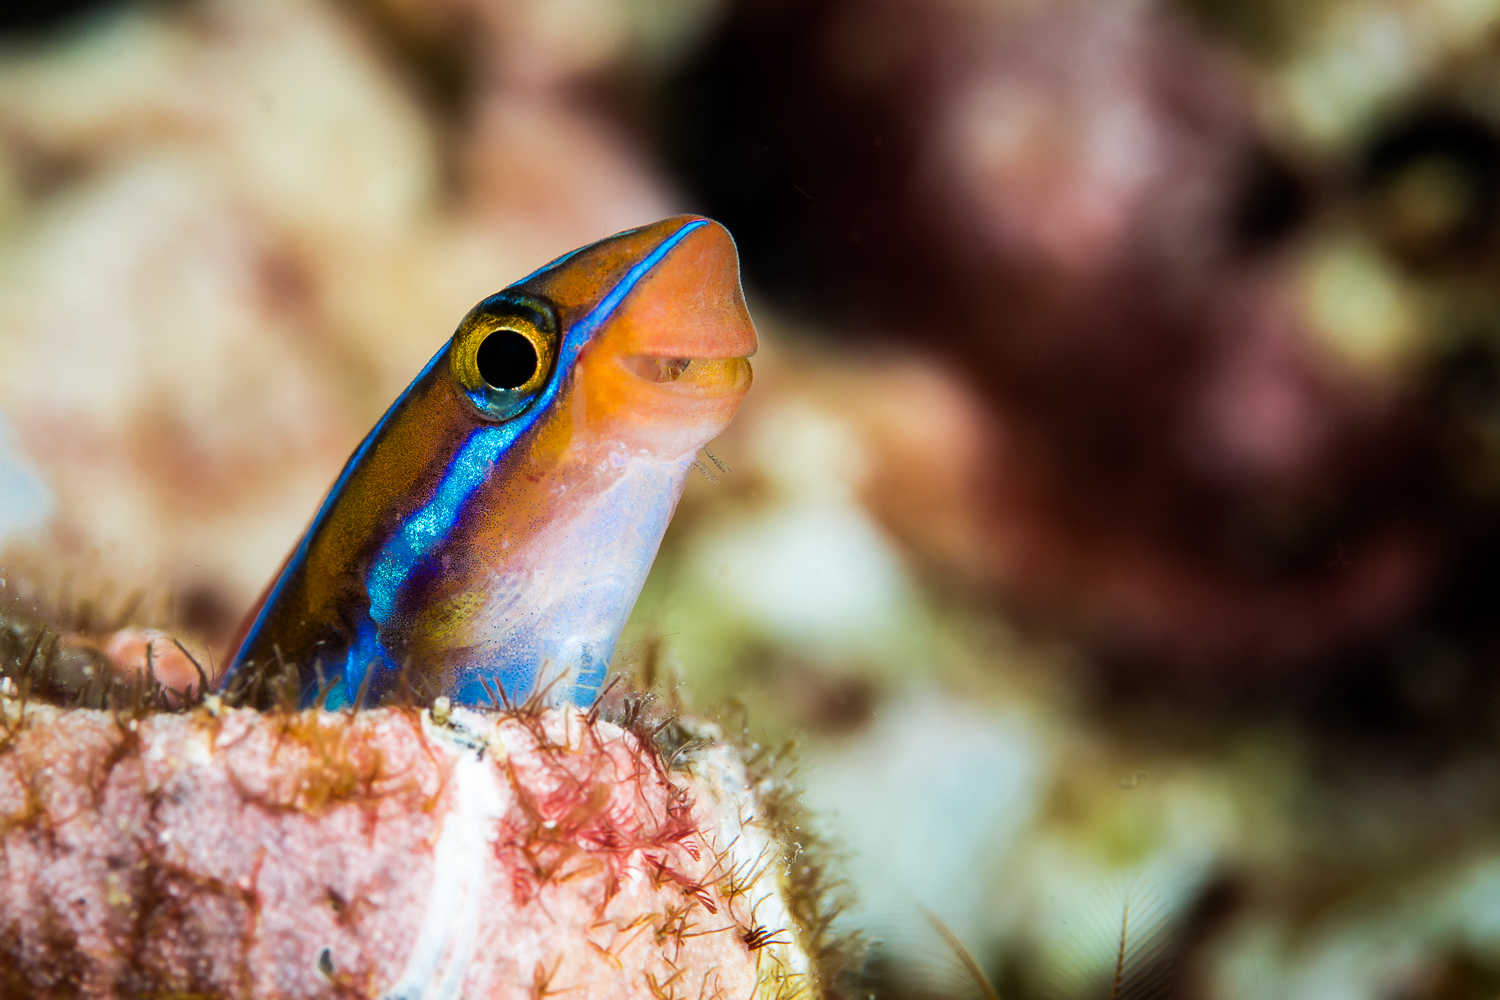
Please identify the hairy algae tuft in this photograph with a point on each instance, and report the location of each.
(643, 699)
(56, 658)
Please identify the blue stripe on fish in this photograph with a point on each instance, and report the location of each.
(547, 267)
(364, 651)
(423, 531)
(585, 327)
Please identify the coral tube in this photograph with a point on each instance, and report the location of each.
(386, 853)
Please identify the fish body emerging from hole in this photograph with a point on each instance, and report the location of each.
(493, 531)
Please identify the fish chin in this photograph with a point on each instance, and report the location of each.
(552, 617)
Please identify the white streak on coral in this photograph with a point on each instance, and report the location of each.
(445, 944)
(752, 849)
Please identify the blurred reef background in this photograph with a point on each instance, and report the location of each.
(1118, 503)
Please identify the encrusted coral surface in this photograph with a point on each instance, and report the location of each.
(228, 853)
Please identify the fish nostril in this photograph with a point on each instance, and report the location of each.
(506, 359)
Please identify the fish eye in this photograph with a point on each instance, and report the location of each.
(503, 352)
(506, 359)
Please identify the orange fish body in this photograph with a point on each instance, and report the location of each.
(497, 524)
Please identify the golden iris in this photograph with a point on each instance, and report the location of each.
(503, 353)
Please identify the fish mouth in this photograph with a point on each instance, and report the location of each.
(697, 376)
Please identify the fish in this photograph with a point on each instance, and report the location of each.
(491, 534)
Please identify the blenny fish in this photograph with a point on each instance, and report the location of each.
(493, 531)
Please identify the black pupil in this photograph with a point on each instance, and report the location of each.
(506, 359)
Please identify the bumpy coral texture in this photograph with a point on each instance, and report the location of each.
(222, 853)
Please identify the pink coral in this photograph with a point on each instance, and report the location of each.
(236, 853)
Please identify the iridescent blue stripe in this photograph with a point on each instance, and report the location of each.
(584, 328)
(547, 267)
(426, 529)
(571, 253)
(366, 649)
